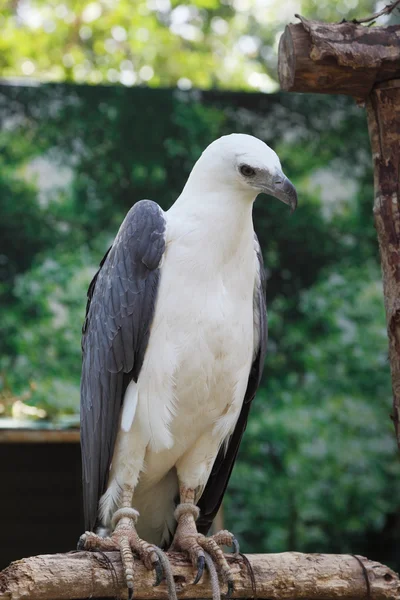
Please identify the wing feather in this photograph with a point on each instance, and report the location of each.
(119, 313)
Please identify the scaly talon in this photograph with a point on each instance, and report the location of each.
(81, 542)
(203, 550)
(125, 539)
(236, 547)
(200, 569)
(231, 588)
(159, 573)
(168, 575)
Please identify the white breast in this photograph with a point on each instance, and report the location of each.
(199, 356)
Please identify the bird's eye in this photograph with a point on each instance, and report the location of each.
(247, 171)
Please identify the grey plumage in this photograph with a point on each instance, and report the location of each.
(120, 308)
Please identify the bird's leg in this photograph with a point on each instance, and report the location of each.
(125, 539)
(198, 546)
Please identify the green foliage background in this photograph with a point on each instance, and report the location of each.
(318, 469)
(229, 44)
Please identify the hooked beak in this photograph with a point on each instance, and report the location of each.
(283, 189)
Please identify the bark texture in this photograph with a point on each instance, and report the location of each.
(286, 576)
(383, 109)
(337, 58)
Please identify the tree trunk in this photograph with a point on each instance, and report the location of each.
(383, 108)
(286, 576)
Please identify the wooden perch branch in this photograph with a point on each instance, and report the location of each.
(286, 576)
(337, 58)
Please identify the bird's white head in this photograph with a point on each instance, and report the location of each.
(244, 164)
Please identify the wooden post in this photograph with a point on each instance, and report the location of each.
(383, 110)
(363, 62)
(286, 576)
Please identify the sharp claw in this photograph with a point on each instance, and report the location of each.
(159, 573)
(130, 592)
(200, 569)
(231, 588)
(81, 543)
(235, 544)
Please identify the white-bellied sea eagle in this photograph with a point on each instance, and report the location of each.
(173, 343)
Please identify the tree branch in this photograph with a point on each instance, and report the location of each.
(286, 576)
(385, 11)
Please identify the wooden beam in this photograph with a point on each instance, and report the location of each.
(286, 576)
(39, 436)
(337, 58)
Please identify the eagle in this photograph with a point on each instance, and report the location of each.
(174, 342)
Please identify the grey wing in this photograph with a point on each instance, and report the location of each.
(119, 313)
(215, 488)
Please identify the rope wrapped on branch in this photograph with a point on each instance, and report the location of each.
(285, 576)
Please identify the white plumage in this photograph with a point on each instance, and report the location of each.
(203, 340)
